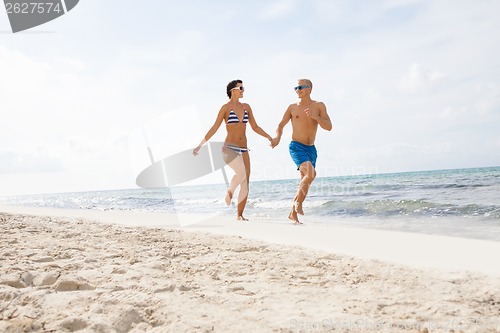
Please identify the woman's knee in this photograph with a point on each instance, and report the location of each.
(239, 178)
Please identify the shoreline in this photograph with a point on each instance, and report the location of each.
(406, 248)
(69, 274)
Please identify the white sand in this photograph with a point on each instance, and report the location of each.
(61, 273)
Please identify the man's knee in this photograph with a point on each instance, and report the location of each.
(307, 170)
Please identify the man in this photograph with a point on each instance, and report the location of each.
(305, 115)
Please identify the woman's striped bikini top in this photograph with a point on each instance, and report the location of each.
(233, 118)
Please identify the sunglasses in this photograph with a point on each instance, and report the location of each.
(301, 87)
(238, 88)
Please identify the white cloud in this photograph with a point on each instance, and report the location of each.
(452, 113)
(489, 89)
(418, 79)
(400, 3)
(13, 162)
(278, 9)
(371, 94)
(401, 150)
(74, 63)
(22, 78)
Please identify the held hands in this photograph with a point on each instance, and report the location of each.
(275, 142)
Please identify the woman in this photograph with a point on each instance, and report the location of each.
(235, 151)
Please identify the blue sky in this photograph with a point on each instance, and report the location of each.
(409, 85)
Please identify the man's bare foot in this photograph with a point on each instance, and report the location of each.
(241, 218)
(229, 197)
(293, 216)
(298, 207)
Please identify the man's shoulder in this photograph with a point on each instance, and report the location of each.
(319, 104)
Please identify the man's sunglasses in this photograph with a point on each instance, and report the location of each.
(238, 88)
(301, 87)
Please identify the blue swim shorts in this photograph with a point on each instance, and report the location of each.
(301, 153)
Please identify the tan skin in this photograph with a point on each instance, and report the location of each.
(236, 136)
(305, 116)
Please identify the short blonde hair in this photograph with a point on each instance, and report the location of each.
(309, 83)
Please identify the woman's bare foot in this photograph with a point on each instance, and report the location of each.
(293, 216)
(241, 218)
(229, 197)
(298, 207)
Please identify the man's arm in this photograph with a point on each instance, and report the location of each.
(279, 131)
(321, 116)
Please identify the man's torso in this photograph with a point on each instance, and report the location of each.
(304, 128)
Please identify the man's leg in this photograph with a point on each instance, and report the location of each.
(307, 174)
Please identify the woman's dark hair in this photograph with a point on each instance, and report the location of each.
(231, 85)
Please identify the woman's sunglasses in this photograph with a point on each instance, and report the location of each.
(301, 87)
(238, 88)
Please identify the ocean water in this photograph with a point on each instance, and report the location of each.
(462, 202)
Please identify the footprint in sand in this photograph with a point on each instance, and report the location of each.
(120, 270)
(73, 285)
(249, 249)
(13, 280)
(46, 279)
(241, 291)
(74, 324)
(43, 259)
(126, 320)
(169, 288)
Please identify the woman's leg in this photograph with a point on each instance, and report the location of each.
(243, 195)
(235, 162)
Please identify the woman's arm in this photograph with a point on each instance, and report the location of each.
(256, 128)
(213, 129)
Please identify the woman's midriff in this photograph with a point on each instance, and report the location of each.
(236, 135)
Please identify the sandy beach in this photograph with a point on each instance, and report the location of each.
(63, 271)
